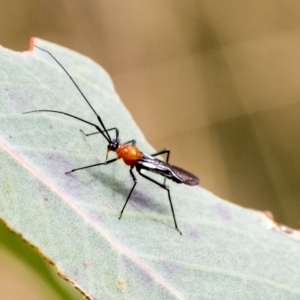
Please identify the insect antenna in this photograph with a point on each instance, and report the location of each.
(108, 138)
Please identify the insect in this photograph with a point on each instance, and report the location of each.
(130, 154)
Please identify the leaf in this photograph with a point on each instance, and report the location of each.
(225, 252)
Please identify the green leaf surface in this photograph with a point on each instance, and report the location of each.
(225, 252)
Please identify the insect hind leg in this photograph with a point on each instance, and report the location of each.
(163, 152)
(167, 159)
(169, 196)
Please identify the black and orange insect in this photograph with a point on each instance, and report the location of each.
(130, 154)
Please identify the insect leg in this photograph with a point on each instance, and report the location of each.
(99, 164)
(169, 195)
(88, 134)
(167, 159)
(163, 152)
(132, 142)
(135, 181)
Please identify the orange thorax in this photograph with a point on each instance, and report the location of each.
(130, 154)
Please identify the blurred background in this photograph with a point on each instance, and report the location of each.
(217, 82)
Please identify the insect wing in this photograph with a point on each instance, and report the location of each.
(169, 171)
(185, 176)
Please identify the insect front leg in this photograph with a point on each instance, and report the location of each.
(97, 132)
(135, 181)
(169, 196)
(99, 164)
(132, 142)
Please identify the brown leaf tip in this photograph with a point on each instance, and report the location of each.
(31, 43)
